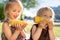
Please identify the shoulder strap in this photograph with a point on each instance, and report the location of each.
(36, 25)
(6, 20)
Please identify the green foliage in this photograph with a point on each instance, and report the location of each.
(22, 17)
(2, 11)
(29, 3)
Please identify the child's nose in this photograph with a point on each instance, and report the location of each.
(17, 14)
(47, 17)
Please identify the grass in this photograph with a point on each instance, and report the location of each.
(27, 29)
(57, 30)
(0, 30)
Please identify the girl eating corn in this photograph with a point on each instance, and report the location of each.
(13, 30)
(43, 29)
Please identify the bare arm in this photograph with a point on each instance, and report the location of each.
(23, 34)
(51, 32)
(51, 35)
(8, 34)
(36, 33)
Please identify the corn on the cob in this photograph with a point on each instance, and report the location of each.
(13, 22)
(38, 19)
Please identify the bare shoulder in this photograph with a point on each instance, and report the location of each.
(5, 25)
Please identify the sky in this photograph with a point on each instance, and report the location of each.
(41, 3)
(0, 1)
(53, 3)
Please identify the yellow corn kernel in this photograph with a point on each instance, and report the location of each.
(13, 22)
(40, 19)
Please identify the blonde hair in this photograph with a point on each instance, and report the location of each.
(10, 4)
(46, 9)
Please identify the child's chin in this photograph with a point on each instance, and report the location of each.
(16, 18)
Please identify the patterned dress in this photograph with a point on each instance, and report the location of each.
(12, 30)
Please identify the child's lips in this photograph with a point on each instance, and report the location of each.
(15, 16)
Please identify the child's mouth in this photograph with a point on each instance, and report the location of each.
(15, 16)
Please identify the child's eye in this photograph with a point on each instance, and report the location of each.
(44, 15)
(50, 16)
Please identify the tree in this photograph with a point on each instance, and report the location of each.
(2, 11)
(29, 3)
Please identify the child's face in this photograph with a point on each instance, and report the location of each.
(14, 11)
(47, 15)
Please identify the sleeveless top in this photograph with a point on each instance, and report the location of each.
(12, 30)
(44, 34)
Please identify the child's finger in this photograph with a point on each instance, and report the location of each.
(24, 26)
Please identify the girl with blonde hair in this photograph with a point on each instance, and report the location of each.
(43, 30)
(13, 10)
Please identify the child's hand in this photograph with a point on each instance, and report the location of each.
(18, 27)
(43, 24)
(23, 26)
(50, 25)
